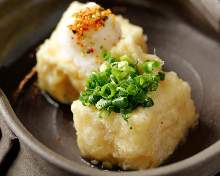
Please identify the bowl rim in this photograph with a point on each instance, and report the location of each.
(57, 159)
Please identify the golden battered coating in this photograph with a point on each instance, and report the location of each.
(155, 132)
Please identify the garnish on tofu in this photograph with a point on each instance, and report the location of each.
(89, 18)
(121, 86)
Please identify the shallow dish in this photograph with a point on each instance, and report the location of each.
(45, 127)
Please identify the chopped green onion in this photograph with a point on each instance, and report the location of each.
(119, 86)
(120, 102)
(102, 103)
(107, 56)
(148, 102)
(108, 90)
(150, 65)
(92, 99)
(161, 75)
(126, 58)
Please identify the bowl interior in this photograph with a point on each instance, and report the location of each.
(194, 55)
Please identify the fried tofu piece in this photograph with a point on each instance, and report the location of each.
(63, 64)
(148, 138)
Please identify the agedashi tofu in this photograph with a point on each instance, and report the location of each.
(148, 138)
(65, 60)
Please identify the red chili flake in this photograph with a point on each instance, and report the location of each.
(90, 50)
